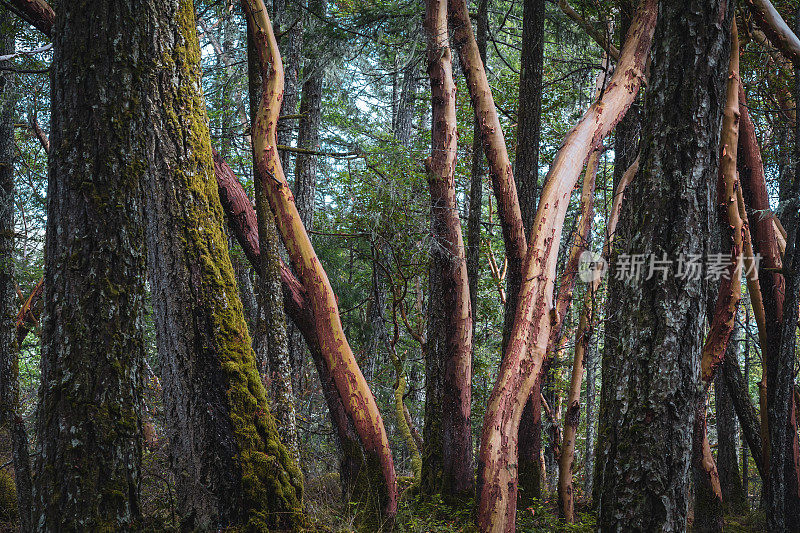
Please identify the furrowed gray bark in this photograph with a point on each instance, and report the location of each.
(650, 378)
(89, 420)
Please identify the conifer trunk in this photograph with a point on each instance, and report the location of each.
(89, 419)
(231, 468)
(650, 366)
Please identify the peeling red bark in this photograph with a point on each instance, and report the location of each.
(36, 12)
(497, 475)
(350, 382)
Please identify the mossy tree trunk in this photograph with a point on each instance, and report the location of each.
(650, 364)
(231, 468)
(89, 422)
(10, 417)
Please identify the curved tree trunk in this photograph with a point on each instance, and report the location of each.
(708, 509)
(349, 380)
(497, 476)
(92, 339)
(271, 335)
(449, 344)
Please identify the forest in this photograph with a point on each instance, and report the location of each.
(399, 265)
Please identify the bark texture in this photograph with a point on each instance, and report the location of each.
(89, 421)
(477, 175)
(733, 497)
(272, 340)
(497, 472)
(231, 468)
(356, 473)
(494, 146)
(350, 382)
(650, 380)
(447, 462)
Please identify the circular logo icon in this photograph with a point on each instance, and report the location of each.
(591, 266)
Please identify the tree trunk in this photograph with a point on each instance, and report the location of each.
(271, 332)
(477, 176)
(494, 144)
(447, 465)
(708, 512)
(650, 380)
(231, 468)
(92, 338)
(350, 382)
(746, 413)
(582, 339)
(497, 473)
(305, 172)
(527, 182)
(727, 462)
(783, 496)
(356, 474)
(10, 416)
(288, 18)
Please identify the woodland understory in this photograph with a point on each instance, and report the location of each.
(399, 265)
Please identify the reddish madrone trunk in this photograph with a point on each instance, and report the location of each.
(347, 376)
(708, 491)
(582, 337)
(450, 341)
(37, 12)
(497, 474)
(494, 146)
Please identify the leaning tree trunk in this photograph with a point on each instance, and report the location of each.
(356, 473)
(447, 465)
(89, 420)
(350, 382)
(231, 468)
(733, 496)
(10, 416)
(497, 472)
(650, 378)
